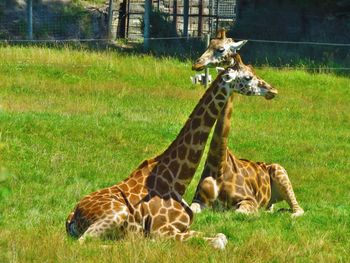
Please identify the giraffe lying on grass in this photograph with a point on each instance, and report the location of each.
(240, 184)
(150, 200)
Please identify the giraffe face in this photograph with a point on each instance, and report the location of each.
(219, 53)
(242, 79)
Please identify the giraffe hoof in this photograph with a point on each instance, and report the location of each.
(298, 213)
(219, 241)
(271, 209)
(81, 241)
(242, 211)
(196, 208)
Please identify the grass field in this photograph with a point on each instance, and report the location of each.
(72, 122)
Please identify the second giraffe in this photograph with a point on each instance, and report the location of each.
(238, 183)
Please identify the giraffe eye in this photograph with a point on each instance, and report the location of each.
(221, 50)
(248, 77)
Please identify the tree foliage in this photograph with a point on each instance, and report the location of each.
(297, 21)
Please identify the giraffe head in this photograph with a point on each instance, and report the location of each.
(219, 53)
(243, 80)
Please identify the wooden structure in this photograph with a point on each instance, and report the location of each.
(190, 18)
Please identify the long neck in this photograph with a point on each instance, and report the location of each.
(177, 165)
(217, 155)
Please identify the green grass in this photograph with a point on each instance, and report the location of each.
(72, 122)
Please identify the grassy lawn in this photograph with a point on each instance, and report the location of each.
(72, 122)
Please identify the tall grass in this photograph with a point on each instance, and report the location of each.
(75, 121)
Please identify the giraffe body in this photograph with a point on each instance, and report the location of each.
(238, 183)
(246, 186)
(150, 199)
(132, 205)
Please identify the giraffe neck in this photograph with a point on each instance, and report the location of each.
(217, 155)
(178, 163)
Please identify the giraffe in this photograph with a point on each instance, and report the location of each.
(238, 183)
(150, 200)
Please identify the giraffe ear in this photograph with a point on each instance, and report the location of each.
(237, 45)
(229, 75)
(219, 69)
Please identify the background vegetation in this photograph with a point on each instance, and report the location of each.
(73, 121)
(51, 20)
(290, 20)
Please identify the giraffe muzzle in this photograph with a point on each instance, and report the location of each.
(198, 66)
(271, 94)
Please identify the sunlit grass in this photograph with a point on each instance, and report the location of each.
(74, 121)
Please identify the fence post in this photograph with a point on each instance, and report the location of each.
(207, 39)
(217, 15)
(200, 17)
(185, 17)
(30, 19)
(146, 18)
(110, 19)
(175, 15)
(128, 19)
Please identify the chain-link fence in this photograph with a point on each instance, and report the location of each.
(64, 19)
(199, 17)
(178, 27)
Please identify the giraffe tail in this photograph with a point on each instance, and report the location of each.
(126, 200)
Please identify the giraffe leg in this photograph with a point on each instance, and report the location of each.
(94, 231)
(247, 206)
(112, 225)
(102, 228)
(174, 223)
(217, 242)
(206, 194)
(282, 186)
